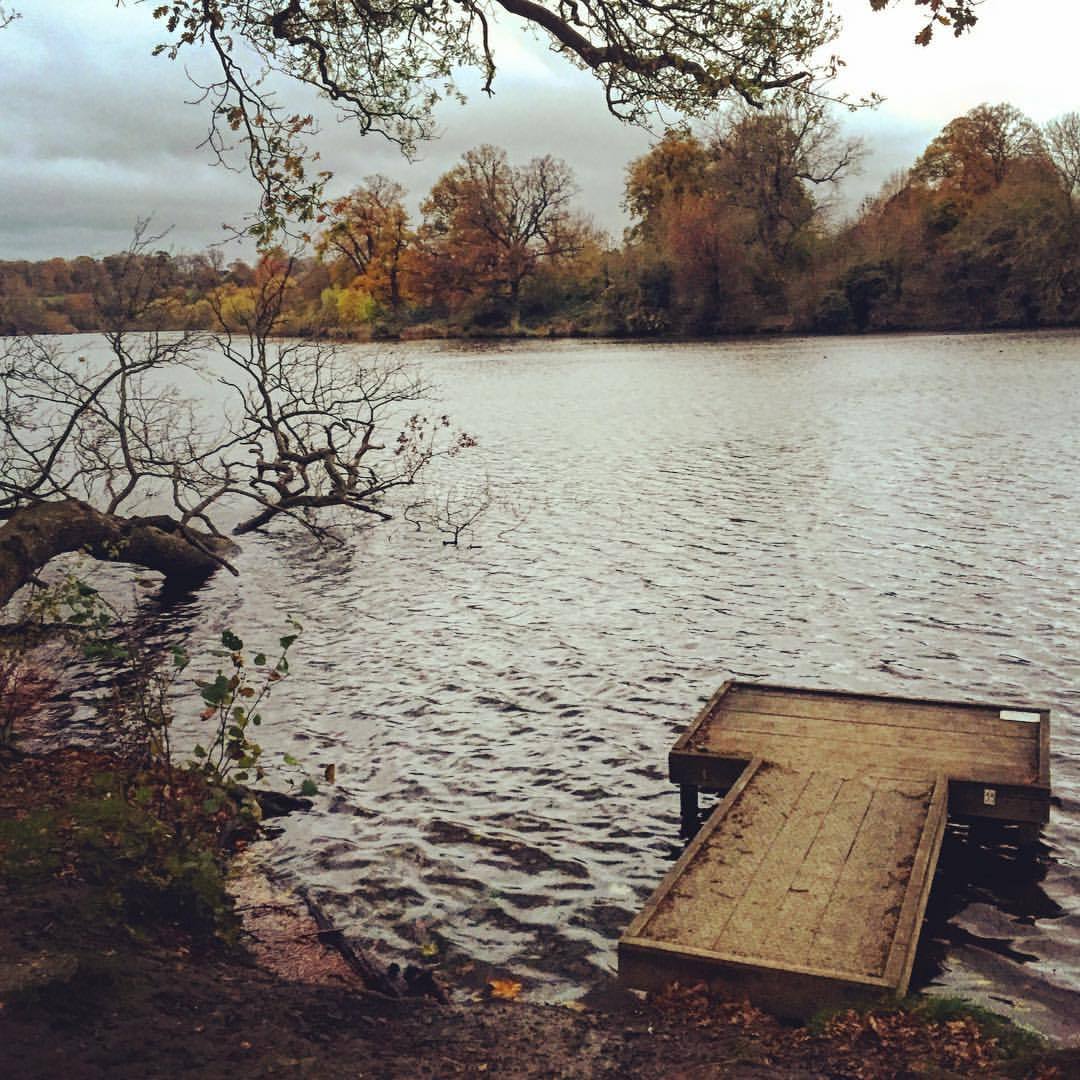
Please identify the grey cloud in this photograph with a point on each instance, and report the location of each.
(95, 135)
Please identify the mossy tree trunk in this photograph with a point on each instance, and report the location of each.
(35, 534)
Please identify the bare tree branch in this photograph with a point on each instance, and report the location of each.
(307, 428)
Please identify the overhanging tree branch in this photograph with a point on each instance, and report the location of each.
(104, 455)
(37, 533)
(386, 66)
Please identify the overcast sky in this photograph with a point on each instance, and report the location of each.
(94, 132)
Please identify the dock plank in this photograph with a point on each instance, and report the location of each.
(796, 924)
(1000, 749)
(743, 932)
(854, 757)
(747, 832)
(970, 719)
(860, 919)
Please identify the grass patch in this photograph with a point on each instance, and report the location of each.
(1013, 1039)
(110, 855)
(954, 1026)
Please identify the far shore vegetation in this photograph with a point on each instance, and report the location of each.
(733, 232)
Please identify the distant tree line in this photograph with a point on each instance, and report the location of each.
(732, 234)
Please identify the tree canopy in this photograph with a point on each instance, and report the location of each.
(974, 152)
(366, 235)
(727, 220)
(490, 224)
(385, 65)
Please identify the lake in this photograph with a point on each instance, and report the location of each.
(885, 514)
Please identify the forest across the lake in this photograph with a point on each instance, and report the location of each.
(734, 231)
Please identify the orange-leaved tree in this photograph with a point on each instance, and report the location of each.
(489, 225)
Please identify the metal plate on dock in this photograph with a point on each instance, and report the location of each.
(805, 887)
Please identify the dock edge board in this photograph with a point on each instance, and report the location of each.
(786, 992)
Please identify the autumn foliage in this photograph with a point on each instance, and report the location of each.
(734, 230)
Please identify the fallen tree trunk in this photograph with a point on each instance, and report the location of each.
(35, 534)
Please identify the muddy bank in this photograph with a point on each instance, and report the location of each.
(169, 1015)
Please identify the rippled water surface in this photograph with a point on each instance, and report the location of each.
(894, 514)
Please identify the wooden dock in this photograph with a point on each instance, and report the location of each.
(808, 884)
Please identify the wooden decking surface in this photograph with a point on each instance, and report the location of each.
(808, 878)
(808, 883)
(863, 735)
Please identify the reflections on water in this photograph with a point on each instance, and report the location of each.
(883, 514)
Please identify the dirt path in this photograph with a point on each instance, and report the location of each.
(174, 1015)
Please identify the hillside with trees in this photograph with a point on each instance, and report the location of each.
(733, 231)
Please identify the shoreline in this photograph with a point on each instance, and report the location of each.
(545, 333)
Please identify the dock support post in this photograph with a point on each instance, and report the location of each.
(688, 808)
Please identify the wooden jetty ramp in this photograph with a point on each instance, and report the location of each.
(808, 883)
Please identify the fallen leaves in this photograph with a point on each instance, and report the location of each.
(694, 1005)
(874, 1038)
(504, 989)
